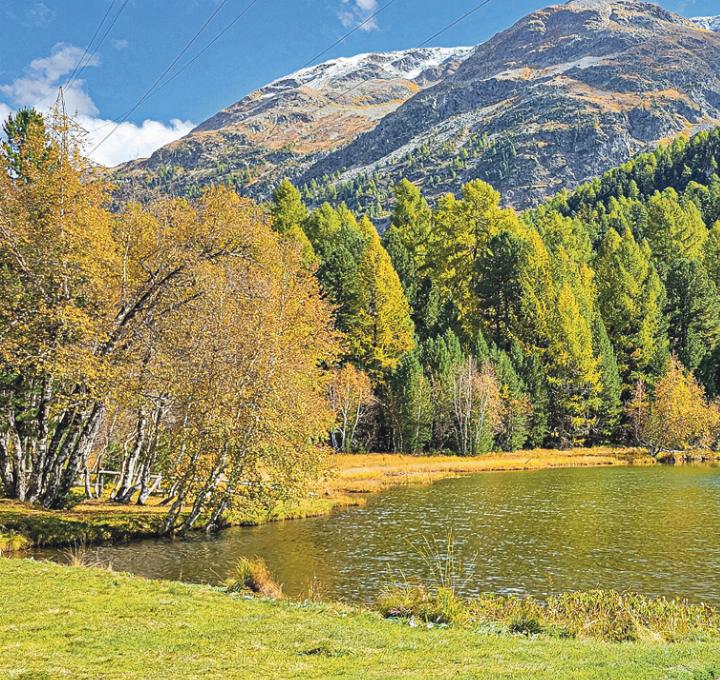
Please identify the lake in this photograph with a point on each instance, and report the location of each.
(654, 530)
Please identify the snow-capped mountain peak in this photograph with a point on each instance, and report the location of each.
(405, 64)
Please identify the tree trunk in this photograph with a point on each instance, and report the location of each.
(72, 458)
(6, 476)
(126, 484)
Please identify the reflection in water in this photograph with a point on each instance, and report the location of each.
(652, 530)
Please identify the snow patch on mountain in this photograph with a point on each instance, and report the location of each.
(406, 64)
(709, 23)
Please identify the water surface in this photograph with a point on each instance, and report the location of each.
(653, 530)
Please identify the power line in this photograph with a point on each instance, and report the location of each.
(100, 42)
(159, 84)
(208, 46)
(242, 14)
(424, 43)
(159, 79)
(454, 23)
(89, 45)
(347, 35)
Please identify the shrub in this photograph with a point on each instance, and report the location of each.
(525, 625)
(12, 542)
(408, 601)
(253, 576)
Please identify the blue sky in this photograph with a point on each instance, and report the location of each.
(42, 40)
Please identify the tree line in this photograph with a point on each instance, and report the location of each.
(216, 346)
(471, 327)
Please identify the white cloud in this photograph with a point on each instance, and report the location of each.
(39, 14)
(38, 88)
(5, 111)
(120, 44)
(354, 12)
(130, 141)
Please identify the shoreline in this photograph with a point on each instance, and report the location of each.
(351, 479)
(55, 618)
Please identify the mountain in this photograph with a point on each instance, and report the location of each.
(560, 97)
(286, 126)
(565, 94)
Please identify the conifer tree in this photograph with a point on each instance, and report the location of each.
(516, 405)
(25, 124)
(573, 372)
(499, 285)
(631, 298)
(711, 255)
(442, 357)
(675, 229)
(481, 351)
(382, 331)
(610, 411)
(287, 208)
(406, 241)
(461, 234)
(692, 311)
(321, 226)
(412, 220)
(410, 406)
(535, 377)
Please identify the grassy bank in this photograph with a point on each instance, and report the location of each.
(368, 473)
(350, 479)
(86, 623)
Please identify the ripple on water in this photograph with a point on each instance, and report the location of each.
(652, 530)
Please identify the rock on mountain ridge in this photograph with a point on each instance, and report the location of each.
(563, 95)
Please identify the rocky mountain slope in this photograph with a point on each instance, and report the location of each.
(560, 97)
(286, 126)
(563, 95)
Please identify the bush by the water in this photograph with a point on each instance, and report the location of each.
(253, 576)
(11, 542)
(601, 615)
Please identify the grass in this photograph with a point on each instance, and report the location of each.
(12, 542)
(368, 473)
(89, 522)
(89, 623)
(600, 615)
(253, 576)
(350, 479)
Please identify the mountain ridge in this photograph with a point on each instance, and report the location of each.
(566, 93)
(289, 122)
(559, 97)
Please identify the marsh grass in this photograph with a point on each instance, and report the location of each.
(435, 601)
(79, 555)
(372, 472)
(599, 615)
(253, 576)
(316, 592)
(12, 542)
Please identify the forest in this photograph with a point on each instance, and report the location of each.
(219, 347)
(470, 327)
